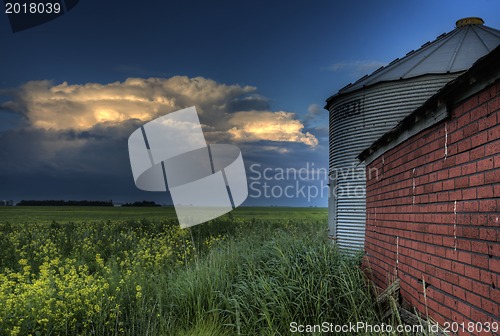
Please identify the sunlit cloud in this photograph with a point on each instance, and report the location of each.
(271, 126)
(231, 112)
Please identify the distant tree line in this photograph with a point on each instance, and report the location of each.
(64, 203)
(83, 203)
(141, 204)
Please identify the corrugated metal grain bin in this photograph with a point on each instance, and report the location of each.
(362, 112)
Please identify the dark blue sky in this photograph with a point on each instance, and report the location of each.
(294, 55)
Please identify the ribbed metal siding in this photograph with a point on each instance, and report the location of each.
(373, 111)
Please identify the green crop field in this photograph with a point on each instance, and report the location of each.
(79, 214)
(133, 271)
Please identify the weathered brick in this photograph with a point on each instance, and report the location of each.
(492, 148)
(486, 95)
(487, 205)
(487, 122)
(490, 306)
(476, 153)
(479, 139)
(470, 206)
(464, 145)
(480, 260)
(469, 193)
(488, 234)
(462, 182)
(463, 120)
(477, 179)
(469, 168)
(485, 192)
(493, 133)
(479, 112)
(492, 176)
(462, 158)
(485, 164)
(493, 105)
(471, 232)
(470, 103)
(448, 225)
(473, 299)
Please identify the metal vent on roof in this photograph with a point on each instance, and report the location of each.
(469, 21)
(449, 53)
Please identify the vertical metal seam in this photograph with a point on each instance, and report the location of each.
(481, 39)
(430, 53)
(450, 65)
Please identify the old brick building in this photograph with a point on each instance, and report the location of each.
(433, 201)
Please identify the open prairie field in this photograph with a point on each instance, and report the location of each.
(133, 271)
(80, 214)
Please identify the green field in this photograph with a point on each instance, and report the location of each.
(80, 214)
(133, 271)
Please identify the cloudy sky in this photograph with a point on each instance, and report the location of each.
(74, 89)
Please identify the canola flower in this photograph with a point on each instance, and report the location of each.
(70, 279)
(124, 278)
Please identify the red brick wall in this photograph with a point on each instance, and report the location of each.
(439, 192)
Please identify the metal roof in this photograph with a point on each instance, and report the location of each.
(484, 72)
(451, 52)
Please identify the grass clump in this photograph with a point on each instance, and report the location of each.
(232, 276)
(251, 286)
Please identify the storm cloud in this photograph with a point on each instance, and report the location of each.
(73, 137)
(231, 111)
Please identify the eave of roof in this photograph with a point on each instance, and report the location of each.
(485, 71)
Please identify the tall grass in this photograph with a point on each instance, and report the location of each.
(228, 277)
(255, 289)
